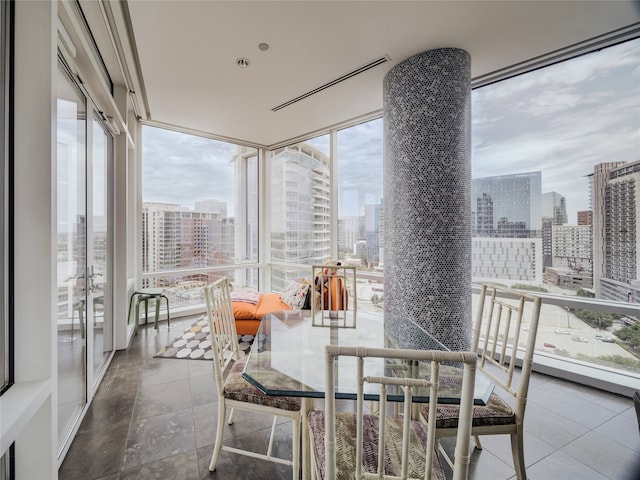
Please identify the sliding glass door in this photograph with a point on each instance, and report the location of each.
(84, 319)
(99, 248)
(71, 257)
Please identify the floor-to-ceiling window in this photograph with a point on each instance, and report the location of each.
(199, 213)
(299, 200)
(71, 253)
(84, 317)
(555, 195)
(5, 43)
(5, 230)
(360, 209)
(556, 166)
(100, 285)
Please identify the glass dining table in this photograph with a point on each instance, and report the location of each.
(287, 358)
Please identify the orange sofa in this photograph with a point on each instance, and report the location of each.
(248, 315)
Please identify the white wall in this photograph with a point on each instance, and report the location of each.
(27, 409)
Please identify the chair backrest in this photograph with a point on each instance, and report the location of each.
(408, 383)
(331, 296)
(504, 335)
(222, 327)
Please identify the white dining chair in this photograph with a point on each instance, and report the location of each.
(234, 392)
(504, 337)
(347, 445)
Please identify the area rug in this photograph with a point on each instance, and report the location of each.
(195, 343)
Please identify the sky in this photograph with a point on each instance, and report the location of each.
(561, 120)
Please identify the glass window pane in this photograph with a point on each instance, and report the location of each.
(4, 118)
(7, 464)
(71, 217)
(300, 198)
(360, 208)
(200, 210)
(555, 195)
(360, 194)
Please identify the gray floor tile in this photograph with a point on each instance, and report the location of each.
(611, 459)
(178, 467)
(154, 438)
(559, 465)
(163, 398)
(156, 418)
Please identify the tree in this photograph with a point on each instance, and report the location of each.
(595, 319)
(585, 293)
(631, 335)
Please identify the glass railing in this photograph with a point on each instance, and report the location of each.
(575, 333)
(597, 333)
(184, 288)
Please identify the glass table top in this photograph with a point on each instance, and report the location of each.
(287, 357)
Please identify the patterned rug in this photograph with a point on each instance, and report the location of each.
(195, 343)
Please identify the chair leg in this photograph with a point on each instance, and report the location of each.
(230, 421)
(168, 317)
(217, 446)
(295, 453)
(517, 451)
(130, 305)
(146, 310)
(314, 470)
(476, 440)
(273, 430)
(137, 319)
(155, 323)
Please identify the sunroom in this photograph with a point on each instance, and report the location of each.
(167, 144)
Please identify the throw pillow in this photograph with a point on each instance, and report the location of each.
(295, 295)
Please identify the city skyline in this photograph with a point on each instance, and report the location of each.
(561, 120)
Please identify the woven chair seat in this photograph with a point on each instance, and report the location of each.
(346, 446)
(495, 412)
(237, 388)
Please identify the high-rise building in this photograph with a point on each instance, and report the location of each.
(615, 229)
(507, 206)
(547, 238)
(483, 219)
(554, 206)
(554, 212)
(507, 223)
(571, 247)
(211, 205)
(584, 217)
(300, 194)
(372, 232)
(175, 237)
(347, 235)
(507, 260)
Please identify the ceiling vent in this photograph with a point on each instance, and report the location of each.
(353, 73)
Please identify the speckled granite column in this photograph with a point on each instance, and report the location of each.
(427, 195)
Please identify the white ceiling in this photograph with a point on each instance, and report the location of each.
(187, 53)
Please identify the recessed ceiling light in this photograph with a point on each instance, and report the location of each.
(242, 62)
(263, 46)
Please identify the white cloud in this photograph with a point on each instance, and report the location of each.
(180, 168)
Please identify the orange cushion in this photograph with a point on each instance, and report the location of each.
(244, 310)
(247, 326)
(270, 302)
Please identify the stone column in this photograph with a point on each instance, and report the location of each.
(427, 196)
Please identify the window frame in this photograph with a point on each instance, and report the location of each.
(7, 368)
(245, 271)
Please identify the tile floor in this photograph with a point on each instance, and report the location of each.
(155, 419)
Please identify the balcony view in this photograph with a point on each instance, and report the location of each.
(563, 224)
